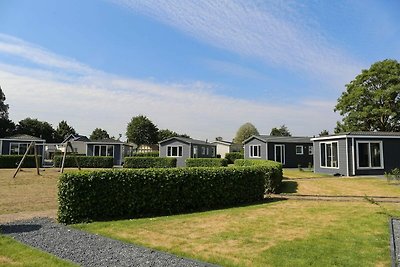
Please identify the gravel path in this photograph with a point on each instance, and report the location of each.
(88, 249)
(396, 241)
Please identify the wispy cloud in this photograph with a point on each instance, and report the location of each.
(98, 99)
(277, 32)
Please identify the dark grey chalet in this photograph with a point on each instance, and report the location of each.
(109, 147)
(357, 153)
(18, 144)
(182, 148)
(289, 150)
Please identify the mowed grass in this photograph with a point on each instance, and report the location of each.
(282, 233)
(343, 187)
(13, 253)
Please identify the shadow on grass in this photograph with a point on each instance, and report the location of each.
(288, 187)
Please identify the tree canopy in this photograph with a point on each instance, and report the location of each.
(34, 127)
(245, 131)
(142, 131)
(324, 133)
(7, 127)
(64, 130)
(371, 101)
(281, 131)
(166, 133)
(99, 134)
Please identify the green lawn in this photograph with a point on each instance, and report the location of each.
(282, 233)
(295, 173)
(13, 253)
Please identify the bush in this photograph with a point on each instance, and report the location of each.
(231, 157)
(113, 194)
(272, 169)
(206, 162)
(149, 162)
(154, 154)
(12, 161)
(85, 161)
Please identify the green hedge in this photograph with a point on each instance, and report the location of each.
(85, 161)
(231, 157)
(149, 162)
(206, 162)
(273, 172)
(154, 154)
(12, 161)
(113, 194)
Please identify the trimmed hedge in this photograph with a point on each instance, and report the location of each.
(149, 162)
(231, 157)
(206, 162)
(154, 154)
(85, 161)
(114, 194)
(12, 161)
(273, 172)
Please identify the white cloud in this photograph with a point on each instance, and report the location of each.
(98, 99)
(274, 31)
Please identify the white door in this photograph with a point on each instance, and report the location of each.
(280, 153)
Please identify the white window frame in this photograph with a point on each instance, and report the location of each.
(326, 154)
(302, 150)
(19, 148)
(311, 150)
(213, 151)
(106, 146)
(178, 149)
(203, 150)
(283, 153)
(369, 155)
(252, 150)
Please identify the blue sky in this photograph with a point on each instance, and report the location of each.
(198, 67)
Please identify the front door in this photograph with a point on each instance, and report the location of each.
(280, 153)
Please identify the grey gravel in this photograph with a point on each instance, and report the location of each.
(396, 240)
(88, 249)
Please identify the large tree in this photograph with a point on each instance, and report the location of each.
(34, 127)
(281, 131)
(244, 132)
(166, 133)
(7, 127)
(142, 131)
(371, 101)
(99, 134)
(63, 130)
(324, 133)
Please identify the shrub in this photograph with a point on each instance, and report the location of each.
(231, 157)
(206, 162)
(85, 161)
(12, 161)
(154, 154)
(111, 194)
(394, 175)
(272, 169)
(149, 162)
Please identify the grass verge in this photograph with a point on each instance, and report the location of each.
(13, 253)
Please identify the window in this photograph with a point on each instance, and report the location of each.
(103, 150)
(329, 155)
(213, 151)
(310, 150)
(203, 150)
(255, 151)
(19, 148)
(369, 155)
(195, 151)
(207, 151)
(299, 150)
(174, 151)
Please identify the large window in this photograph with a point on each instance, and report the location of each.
(174, 151)
(299, 150)
(310, 150)
(255, 151)
(103, 150)
(19, 149)
(369, 155)
(329, 155)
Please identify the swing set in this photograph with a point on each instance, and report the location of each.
(33, 146)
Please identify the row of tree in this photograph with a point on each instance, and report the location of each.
(140, 129)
